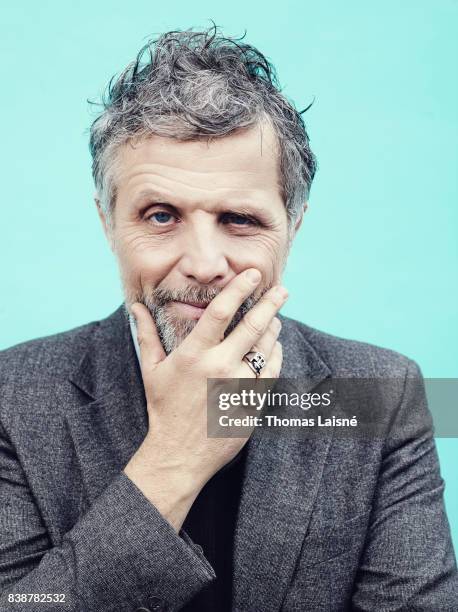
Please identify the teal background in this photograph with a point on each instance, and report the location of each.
(376, 258)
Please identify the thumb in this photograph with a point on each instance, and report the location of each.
(151, 349)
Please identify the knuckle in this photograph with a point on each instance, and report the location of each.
(253, 325)
(218, 313)
(273, 329)
(275, 297)
(217, 366)
(222, 370)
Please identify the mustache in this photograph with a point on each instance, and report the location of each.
(156, 299)
(162, 296)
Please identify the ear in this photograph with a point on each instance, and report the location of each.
(300, 218)
(105, 224)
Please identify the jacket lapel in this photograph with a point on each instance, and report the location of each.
(280, 484)
(111, 424)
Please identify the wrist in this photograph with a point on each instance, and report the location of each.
(168, 486)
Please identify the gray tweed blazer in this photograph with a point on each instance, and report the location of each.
(325, 524)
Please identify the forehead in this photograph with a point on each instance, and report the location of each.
(243, 161)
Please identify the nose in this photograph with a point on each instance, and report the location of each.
(203, 259)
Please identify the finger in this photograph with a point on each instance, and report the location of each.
(266, 342)
(210, 328)
(151, 349)
(253, 325)
(273, 366)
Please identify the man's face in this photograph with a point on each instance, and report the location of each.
(189, 216)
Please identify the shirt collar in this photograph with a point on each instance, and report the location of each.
(133, 331)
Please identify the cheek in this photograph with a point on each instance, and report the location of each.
(142, 260)
(264, 251)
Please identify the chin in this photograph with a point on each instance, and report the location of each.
(173, 330)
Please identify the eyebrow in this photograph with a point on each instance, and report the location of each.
(153, 196)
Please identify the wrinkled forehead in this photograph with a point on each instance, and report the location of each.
(245, 159)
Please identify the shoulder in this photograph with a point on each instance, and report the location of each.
(45, 359)
(352, 358)
(49, 376)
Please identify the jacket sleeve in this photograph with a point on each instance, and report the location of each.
(121, 555)
(408, 562)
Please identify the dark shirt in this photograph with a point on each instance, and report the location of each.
(211, 524)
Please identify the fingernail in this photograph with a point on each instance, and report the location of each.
(253, 276)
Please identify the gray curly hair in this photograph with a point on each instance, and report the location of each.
(191, 85)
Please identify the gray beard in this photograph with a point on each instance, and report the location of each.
(173, 330)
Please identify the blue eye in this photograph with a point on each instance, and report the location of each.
(161, 217)
(238, 219)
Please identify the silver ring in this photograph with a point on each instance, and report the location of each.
(256, 360)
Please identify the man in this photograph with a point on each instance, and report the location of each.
(113, 497)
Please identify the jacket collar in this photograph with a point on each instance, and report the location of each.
(109, 360)
(282, 474)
